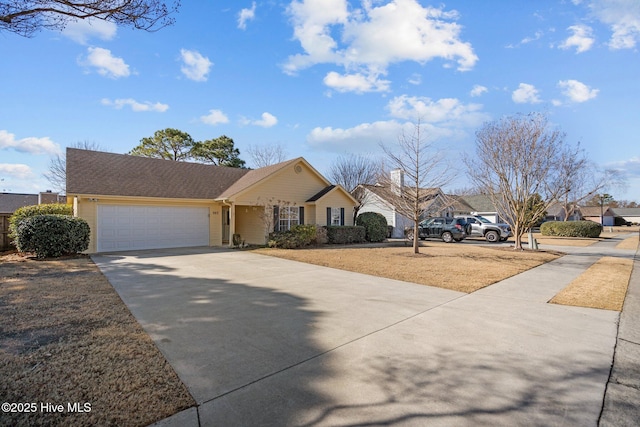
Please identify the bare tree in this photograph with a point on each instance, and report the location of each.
(583, 180)
(57, 173)
(517, 158)
(423, 171)
(25, 17)
(266, 155)
(354, 170)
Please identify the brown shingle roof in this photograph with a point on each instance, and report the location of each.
(10, 202)
(94, 172)
(594, 211)
(321, 193)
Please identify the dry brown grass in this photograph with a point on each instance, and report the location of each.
(459, 267)
(66, 336)
(603, 285)
(561, 241)
(629, 243)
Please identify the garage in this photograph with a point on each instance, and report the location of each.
(129, 227)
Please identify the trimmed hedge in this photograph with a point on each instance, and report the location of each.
(52, 235)
(341, 235)
(29, 211)
(299, 236)
(375, 226)
(571, 228)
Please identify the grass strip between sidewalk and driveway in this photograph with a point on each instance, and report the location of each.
(66, 337)
(629, 243)
(603, 285)
(459, 267)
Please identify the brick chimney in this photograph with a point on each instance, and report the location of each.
(47, 197)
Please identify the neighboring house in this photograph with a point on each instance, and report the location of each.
(597, 213)
(135, 202)
(376, 198)
(10, 202)
(556, 212)
(482, 205)
(628, 214)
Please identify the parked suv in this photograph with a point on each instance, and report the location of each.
(447, 229)
(481, 226)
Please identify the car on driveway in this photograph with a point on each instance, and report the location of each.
(482, 227)
(447, 229)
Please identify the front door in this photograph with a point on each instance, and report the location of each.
(225, 224)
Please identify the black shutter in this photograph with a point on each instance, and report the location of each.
(328, 216)
(301, 215)
(341, 216)
(276, 218)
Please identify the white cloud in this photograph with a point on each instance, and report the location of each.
(582, 38)
(537, 36)
(214, 117)
(31, 145)
(18, 171)
(478, 90)
(577, 91)
(268, 120)
(196, 67)
(445, 118)
(106, 64)
(135, 105)
(415, 79)
(357, 83)
(246, 15)
(361, 138)
(623, 17)
(629, 167)
(82, 30)
(444, 112)
(526, 94)
(373, 37)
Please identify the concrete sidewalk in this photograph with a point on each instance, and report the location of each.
(265, 341)
(622, 399)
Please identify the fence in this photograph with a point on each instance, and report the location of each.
(5, 243)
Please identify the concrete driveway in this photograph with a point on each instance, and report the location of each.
(265, 341)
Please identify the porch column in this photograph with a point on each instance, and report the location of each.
(232, 223)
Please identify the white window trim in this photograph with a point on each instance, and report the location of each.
(288, 217)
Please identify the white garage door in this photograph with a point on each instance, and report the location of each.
(123, 228)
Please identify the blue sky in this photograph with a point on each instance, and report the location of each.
(324, 78)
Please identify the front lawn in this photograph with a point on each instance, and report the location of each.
(456, 266)
(66, 338)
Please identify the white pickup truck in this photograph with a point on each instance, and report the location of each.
(481, 226)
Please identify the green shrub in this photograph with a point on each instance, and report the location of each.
(52, 235)
(375, 226)
(341, 235)
(299, 236)
(29, 211)
(571, 228)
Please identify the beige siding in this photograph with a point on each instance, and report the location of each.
(310, 214)
(335, 199)
(87, 208)
(250, 225)
(286, 185)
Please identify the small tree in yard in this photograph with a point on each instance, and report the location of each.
(517, 158)
(424, 170)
